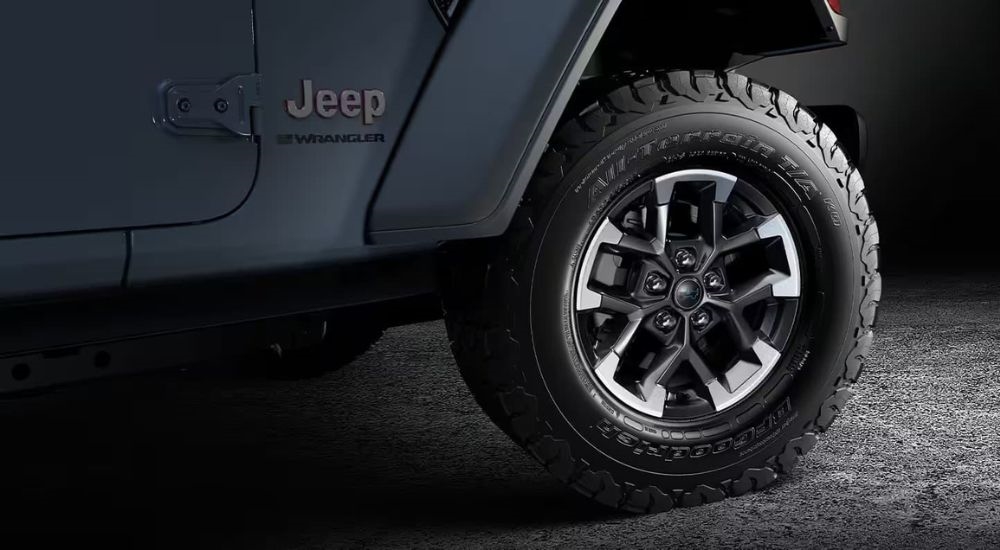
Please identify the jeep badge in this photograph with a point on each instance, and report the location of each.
(327, 103)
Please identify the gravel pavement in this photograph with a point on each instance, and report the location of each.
(392, 451)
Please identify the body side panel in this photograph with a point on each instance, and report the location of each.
(57, 264)
(80, 150)
(491, 105)
(308, 206)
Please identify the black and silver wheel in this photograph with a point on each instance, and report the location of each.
(687, 294)
(684, 298)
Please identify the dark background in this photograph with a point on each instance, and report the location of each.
(924, 74)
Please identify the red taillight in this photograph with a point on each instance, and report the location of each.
(835, 5)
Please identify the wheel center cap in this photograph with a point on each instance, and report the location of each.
(688, 294)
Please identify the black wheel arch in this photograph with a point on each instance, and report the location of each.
(712, 34)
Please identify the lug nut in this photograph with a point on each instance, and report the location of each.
(700, 319)
(656, 283)
(665, 321)
(714, 282)
(685, 258)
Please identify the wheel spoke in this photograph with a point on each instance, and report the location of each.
(742, 333)
(586, 297)
(607, 366)
(635, 245)
(663, 367)
(658, 219)
(775, 227)
(606, 301)
(757, 289)
(749, 293)
(651, 405)
(608, 233)
(729, 244)
(712, 205)
(744, 376)
(719, 395)
(618, 305)
(626, 337)
(716, 391)
(710, 219)
(746, 238)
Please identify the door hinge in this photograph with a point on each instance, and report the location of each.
(199, 108)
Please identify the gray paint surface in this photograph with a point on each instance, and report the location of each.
(308, 206)
(308, 203)
(64, 263)
(79, 149)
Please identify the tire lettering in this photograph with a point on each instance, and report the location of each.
(745, 442)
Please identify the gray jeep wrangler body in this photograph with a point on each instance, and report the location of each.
(185, 179)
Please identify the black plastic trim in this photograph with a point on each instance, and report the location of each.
(118, 315)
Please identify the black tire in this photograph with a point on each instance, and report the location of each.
(508, 315)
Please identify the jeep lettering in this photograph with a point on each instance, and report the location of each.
(370, 104)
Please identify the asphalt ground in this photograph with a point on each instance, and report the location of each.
(392, 451)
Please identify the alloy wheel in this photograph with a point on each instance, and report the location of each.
(687, 294)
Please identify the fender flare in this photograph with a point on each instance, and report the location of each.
(475, 136)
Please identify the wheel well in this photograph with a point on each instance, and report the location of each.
(647, 36)
(705, 34)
